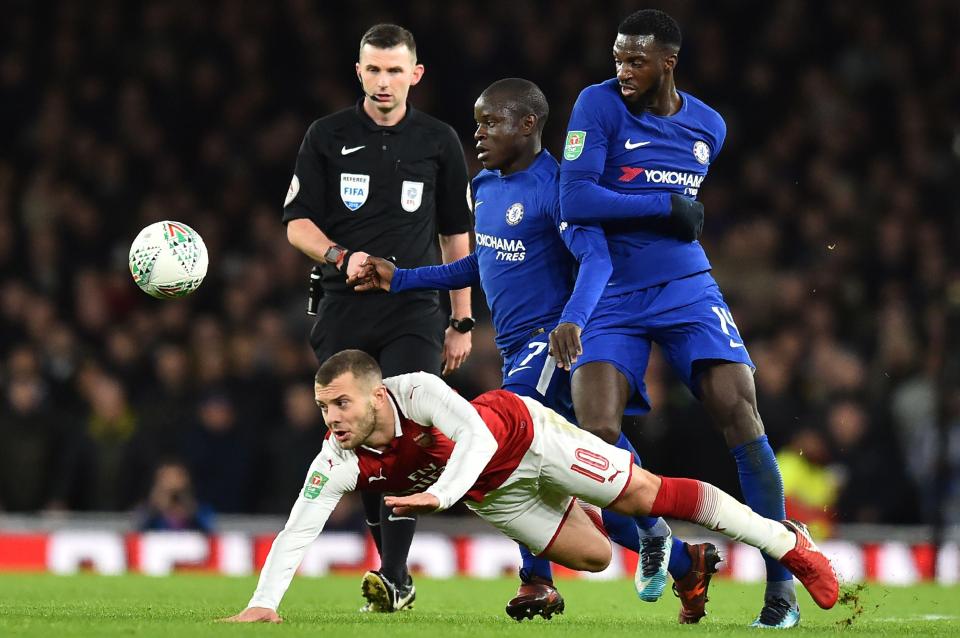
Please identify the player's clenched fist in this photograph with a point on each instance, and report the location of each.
(565, 344)
(255, 614)
(374, 273)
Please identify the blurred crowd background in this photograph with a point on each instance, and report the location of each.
(831, 221)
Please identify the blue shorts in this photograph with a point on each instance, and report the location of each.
(687, 318)
(531, 372)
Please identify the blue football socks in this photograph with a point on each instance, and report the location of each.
(762, 488)
(534, 566)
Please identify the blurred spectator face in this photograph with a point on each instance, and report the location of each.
(301, 410)
(25, 395)
(243, 355)
(107, 399)
(172, 366)
(23, 362)
(122, 348)
(848, 424)
(211, 365)
(811, 445)
(172, 492)
(217, 414)
(773, 373)
(60, 351)
(387, 75)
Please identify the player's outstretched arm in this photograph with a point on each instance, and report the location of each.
(426, 399)
(255, 614)
(332, 474)
(380, 273)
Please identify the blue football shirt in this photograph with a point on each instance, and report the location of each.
(612, 155)
(526, 257)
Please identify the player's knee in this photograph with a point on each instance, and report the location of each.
(739, 421)
(596, 556)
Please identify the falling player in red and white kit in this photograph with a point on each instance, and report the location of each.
(518, 464)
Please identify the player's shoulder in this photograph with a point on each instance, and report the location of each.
(485, 176)
(603, 94)
(545, 167)
(323, 130)
(702, 112)
(331, 449)
(545, 173)
(407, 384)
(335, 121)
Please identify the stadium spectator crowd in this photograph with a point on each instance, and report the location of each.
(831, 222)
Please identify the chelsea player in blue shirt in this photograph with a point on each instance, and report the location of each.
(527, 262)
(636, 154)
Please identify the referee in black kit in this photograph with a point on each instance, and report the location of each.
(385, 179)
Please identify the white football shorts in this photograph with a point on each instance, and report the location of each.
(563, 462)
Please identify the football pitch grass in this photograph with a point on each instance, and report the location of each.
(185, 606)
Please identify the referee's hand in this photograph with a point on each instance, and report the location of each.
(374, 273)
(456, 349)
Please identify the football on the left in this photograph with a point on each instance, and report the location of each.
(168, 259)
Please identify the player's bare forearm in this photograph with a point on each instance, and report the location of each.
(452, 248)
(304, 235)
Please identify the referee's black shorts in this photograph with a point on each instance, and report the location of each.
(404, 333)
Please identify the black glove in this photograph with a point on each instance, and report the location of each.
(686, 217)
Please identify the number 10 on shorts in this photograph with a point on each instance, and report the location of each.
(594, 460)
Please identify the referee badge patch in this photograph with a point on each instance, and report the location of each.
(354, 189)
(292, 191)
(574, 146)
(411, 194)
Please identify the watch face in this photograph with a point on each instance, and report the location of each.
(463, 325)
(333, 254)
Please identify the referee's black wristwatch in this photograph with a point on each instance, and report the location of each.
(464, 325)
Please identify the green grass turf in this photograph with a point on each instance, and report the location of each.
(184, 606)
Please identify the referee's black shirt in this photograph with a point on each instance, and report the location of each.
(384, 190)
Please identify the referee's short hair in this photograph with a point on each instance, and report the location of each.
(387, 36)
(521, 96)
(362, 366)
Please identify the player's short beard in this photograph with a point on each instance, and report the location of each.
(370, 418)
(648, 97)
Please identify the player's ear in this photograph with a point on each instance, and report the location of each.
(417, 74)
(528, 124)
(379, 394)
(670, 61)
